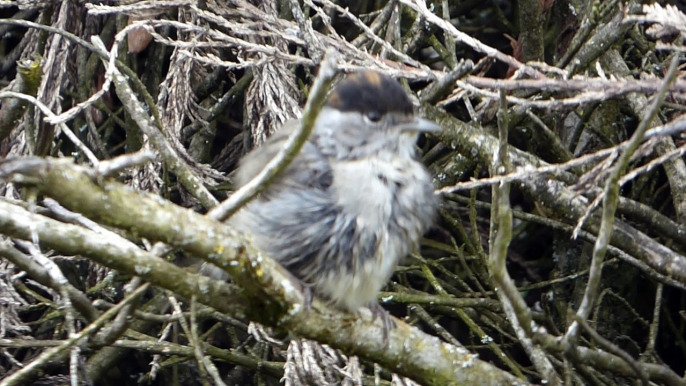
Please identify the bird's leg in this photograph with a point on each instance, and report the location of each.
(307, 295)
(305, 290)
(386, 320)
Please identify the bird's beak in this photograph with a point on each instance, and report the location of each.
(420, 125)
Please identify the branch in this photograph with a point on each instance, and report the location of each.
(514, 304)
(556, 195)
(610, 200)
(266, 285)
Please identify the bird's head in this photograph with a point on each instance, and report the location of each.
(367, 113)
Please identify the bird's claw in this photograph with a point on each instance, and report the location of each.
(306, 291)
(388, 323)
(307, 295)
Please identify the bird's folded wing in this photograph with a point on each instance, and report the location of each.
(310, 169)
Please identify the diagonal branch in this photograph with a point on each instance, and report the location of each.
(271, 297)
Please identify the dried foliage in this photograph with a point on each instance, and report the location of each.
(570, 269)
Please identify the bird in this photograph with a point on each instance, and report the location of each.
(354, 202)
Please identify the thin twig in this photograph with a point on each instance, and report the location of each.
(49, 114)
(421, 9)
(137, 112)
(610, 205)
(671, 128)
(514, 305)
(44, 358)
(291, 147)
(115, 165)
(610, 347)
(655, 323)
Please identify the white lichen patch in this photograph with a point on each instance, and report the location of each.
(471, 359)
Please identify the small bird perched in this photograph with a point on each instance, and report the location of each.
(353, 202)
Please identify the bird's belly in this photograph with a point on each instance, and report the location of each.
(357, 287)
(347, 241)
(380, 197)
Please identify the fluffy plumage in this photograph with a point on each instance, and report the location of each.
(354, 202)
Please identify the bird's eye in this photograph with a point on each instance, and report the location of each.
(373, 117)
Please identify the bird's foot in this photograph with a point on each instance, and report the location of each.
(388, 323)
(306, 291)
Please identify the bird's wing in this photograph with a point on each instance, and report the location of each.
(310, 169)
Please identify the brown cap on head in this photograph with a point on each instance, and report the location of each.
(370, 91)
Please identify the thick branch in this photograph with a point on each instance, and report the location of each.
(429, 361)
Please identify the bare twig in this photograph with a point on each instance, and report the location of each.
(292, 146)
(113, 166)
(44, 358)
(65, 129)
(671, 128)
(186, 176)
(610, 204)
(514, 305)
(608, 346)
(421, 9)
